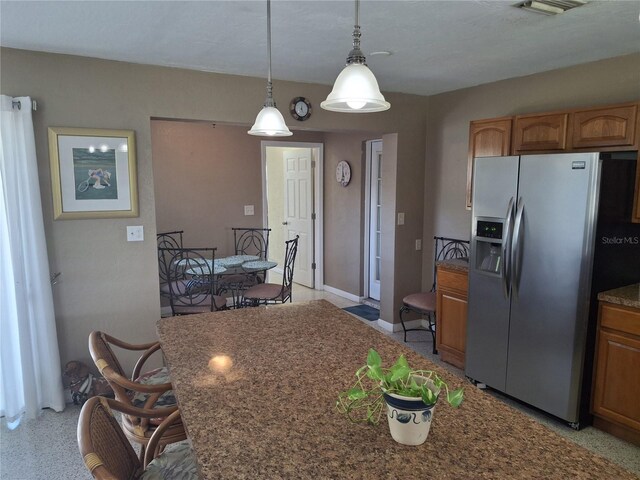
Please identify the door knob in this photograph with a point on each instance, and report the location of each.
(285, 223)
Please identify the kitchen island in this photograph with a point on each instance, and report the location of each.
(257, 390)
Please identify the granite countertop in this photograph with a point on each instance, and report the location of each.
(628, 296)
(461, 264)
(257, 390)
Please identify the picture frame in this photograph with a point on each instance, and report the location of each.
(93, 173)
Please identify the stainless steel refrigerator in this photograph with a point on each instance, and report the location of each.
(533, 229)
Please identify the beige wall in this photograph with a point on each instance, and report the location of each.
(344, 212)
(118, 294)
(603, 82)
(203, 177)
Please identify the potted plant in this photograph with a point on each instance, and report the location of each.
(410, 397)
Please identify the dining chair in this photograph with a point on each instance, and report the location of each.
(274, 292)
(247, 241)
(191, 278)
(251, 241)
(149, 392)
(424, 303)
(108, 455)
(166, 242)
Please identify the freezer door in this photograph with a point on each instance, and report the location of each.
(552, 251)
(495, 183)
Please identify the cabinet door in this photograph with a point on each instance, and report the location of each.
(487, 138)
(451, 315)
(451, 330)
(617, 379)
(605, 127)
(635, 217)
(533, 133)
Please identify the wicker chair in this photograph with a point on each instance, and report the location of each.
(107, 453)
(273, 292)
(424, 303)
(150, 393)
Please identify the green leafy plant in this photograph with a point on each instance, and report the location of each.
(364, 402)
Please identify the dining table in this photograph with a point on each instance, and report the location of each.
(257, 392)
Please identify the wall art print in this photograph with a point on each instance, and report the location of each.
(93, 173)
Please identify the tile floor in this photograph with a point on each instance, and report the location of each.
(46, 448)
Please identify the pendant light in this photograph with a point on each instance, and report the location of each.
(356, 89)
(269, 121)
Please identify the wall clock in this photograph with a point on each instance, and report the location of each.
(343, 173)
(300, 108)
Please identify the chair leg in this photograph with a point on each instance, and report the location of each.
(403, 310)
(431, 320)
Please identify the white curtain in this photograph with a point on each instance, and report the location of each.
(30, 375)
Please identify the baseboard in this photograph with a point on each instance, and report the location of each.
(165, 311)
(342, 293)
(397, 327)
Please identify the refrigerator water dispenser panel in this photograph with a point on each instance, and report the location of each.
(489, 229)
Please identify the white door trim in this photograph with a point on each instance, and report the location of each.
(317, 199)
(367, 217)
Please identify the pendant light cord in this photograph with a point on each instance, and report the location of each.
(269, 101)
(356, 55)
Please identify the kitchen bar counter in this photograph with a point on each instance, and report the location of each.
(455, 264)
(628, 296)
(257, 390)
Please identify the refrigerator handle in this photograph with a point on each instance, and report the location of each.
(515, 250)
(506, 246)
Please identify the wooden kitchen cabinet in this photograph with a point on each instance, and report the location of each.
(604, 127)
(616, 389)
(487, 138)
(451, 314)
(541, 132)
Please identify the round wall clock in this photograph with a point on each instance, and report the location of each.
(300, 108)
(343, 173)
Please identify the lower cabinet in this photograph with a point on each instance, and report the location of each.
(451, 315)
(616, 390)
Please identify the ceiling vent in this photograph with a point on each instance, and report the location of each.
(550, 7)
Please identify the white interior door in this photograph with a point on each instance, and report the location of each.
(298, 207)
(375, 163)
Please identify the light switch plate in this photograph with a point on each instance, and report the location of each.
(400, 218)
(135, 233)
(418, 244)
(248, 210)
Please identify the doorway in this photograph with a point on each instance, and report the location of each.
(292, 205)
(372, 219)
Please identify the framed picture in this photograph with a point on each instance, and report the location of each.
(93, 173)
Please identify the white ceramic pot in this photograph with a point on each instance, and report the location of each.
(409, 418)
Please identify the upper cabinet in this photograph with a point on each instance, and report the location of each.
(535, 133)
(487, 138)
(600, 127)
(597, 129)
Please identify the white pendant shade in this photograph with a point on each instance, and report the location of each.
(270, 122)
(356, 90)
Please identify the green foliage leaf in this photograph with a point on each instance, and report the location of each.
(373, 358)
(375, 373)
(455, 398)
(401, 362)
(356, 393)
(400, 373)
(428, 397)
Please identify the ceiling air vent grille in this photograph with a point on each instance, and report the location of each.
(550, 7)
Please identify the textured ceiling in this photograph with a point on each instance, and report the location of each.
(437, 45)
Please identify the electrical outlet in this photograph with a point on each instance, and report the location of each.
(419, 244)
(248, 210)
(135, 233)
(400, 218)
